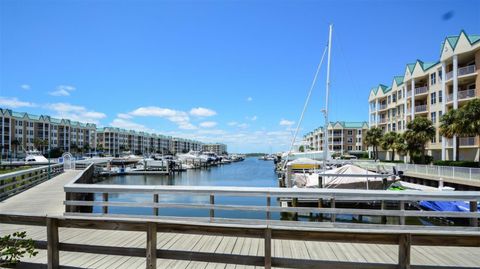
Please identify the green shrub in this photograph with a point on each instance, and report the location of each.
(14, 246)
(457, 163)
(417, 159)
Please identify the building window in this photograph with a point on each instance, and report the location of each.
(433, 117)
(434, 139)
(394, 97)
(433, 78)
(440, 96)
(349, 148)
(433, 98)
(350, 132)
(440, 74)
(394, 127)
(389, 99)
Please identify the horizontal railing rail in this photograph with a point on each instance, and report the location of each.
(389, 235)
(454, 172)
(421, 90)
(80, 196)
(18, 181)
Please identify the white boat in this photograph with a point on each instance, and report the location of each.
(35, 156)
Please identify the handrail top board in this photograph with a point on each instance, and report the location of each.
(26, 171)
(293, 226)
(348, 194)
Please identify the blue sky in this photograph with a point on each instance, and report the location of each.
(230, 71)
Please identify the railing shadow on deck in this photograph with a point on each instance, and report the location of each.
(401, 236)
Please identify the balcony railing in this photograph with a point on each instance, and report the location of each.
(420, 108)
(409, 93)
(466, 70)
(463, 141)
(466, 94)
(468, 141)
(382, 120)
(462, 71)
(421, 90)
(383, 106)
(470, 93)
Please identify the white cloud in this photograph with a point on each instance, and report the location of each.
(180, 118)
(74, 112)
(249, 99)
(288, 123)
(208, 124)
(254, 118)
(202, 112)
(62, 90)
(126, 124)
(232, 123)
(25, 86)
(124, 116)
(242, 125)
(13, 102)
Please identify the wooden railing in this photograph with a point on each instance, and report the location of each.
(15, 182)
(82, 196)
(390, 235)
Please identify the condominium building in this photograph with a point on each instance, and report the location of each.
(21, 132)
(115, 141)
(343, 137)
(430, 90)
(218, 148)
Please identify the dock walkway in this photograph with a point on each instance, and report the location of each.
(47, 198)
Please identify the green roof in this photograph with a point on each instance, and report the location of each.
(398, 80)
(411, 67)
(426, 66)
(349, 124)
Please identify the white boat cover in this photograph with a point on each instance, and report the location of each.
(306, 180)
(305, 161)
(342, 182)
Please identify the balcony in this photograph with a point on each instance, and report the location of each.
(468, 141)
(421, 90)
(465, 94)
(463, 141)
(382, 107)
(420, 108)
(462, 71)
(384, 120)
(409, 94)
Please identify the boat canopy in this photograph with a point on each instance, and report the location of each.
(337, 181)
(304, 163)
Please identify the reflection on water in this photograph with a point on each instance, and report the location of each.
(249, 173)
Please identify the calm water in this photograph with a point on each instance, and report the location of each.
(249, 173)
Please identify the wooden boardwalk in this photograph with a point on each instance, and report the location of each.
(47, 198)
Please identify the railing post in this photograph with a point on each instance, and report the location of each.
(151, 245)
(53, 257)
(404, 244)
(473, 208)
(212, 203)
(332, 205)
(155, 201)
(402, 209)
(268, 248)
(268, 207)
(383, 206)
(105, 199)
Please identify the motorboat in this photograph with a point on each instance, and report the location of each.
(35, 156)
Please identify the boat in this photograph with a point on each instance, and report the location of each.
(35, 157)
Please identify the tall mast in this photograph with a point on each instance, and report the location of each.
(327, 89)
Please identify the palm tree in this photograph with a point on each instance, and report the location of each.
(418, 133)
(388, 141)
(450, 127)
(15, 144)
(400, 146)
(372, 138)
(470, 122)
